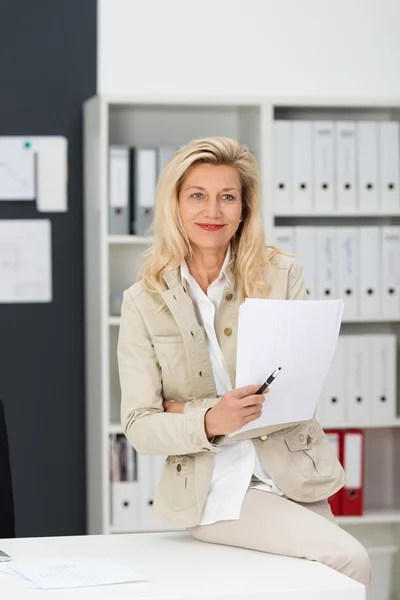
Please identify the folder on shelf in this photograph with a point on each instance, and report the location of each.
(326, 255)
(284, 238)
(335, 437)
(144, 188)
(346, 166)
(125, 507)
(149, 471)
(347, 271)
(164, 155)
(391, 271)
(332, 403)
(118, 190)
(302, 166)
(282, 166)
(353, 464)
(367, 153)
(304, 246)
(358, 378)
(370, 269)
(383, 378)
(389, 163)
(323, 134)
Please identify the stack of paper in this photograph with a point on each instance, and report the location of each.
(58, 572)
(299, 336)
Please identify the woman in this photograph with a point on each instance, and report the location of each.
(177, 355)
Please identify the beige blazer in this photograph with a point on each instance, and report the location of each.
(163, 355)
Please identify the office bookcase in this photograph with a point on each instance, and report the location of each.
(110, 266)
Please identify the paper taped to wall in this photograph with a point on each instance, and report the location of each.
(44, 178)
(25, 261)
(17, 170)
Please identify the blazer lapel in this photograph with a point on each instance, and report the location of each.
(181, 307)
(226, 327)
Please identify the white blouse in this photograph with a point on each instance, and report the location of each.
(237, 466)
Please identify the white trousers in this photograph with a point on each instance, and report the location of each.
(275, 524)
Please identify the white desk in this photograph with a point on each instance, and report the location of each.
(181, 568)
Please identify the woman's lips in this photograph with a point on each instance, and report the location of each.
(207, 227)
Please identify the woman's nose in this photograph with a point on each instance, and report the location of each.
(212, 208)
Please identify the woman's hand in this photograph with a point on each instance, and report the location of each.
(173, 407)
(234, 410)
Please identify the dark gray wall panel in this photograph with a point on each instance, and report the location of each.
(47, 69)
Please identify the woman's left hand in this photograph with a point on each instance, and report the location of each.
(173, 407)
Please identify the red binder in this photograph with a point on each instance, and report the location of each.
(335, 436)
(353, 464)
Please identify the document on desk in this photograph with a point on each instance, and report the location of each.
(62, 573)
(299, 336)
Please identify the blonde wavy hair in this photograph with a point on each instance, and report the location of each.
(250, 256)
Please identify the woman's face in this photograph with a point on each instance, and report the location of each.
(210, 205)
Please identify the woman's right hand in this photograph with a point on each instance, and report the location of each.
(234, 410)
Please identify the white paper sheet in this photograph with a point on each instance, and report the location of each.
(52, 173)
(14, 578)
(25, 261)
(62, 573)
(50, 176)
(299, 336)
(17, 170)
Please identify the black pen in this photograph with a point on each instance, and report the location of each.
(270, 379)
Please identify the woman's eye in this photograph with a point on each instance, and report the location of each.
(228, 197)
(197, 196)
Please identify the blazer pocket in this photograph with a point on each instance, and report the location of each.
(311, 451)
(177, 484)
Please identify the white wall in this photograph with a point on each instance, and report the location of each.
(276, 47)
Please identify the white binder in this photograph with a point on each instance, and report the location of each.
(383, 379)
(367, 153)
(370, 271)
(149, 470)
(304, 247)
(389, 163)
(326, 256)
(118, 191)
(332, 404)
(282, 166)
(323, 134)
(145, 189)
(347, 253)
(302, 147)
(358, 382)
(284, 238)
(390, 271)
(346, 166)
(164, 155)
(125, 508)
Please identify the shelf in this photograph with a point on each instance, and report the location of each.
(165, 528)
(126, 240)
(389, 424)
(114, 321)
(372, 319)
(376, 517)
(115, 428)
(372, 517)
(334, 213)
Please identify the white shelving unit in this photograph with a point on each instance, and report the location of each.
(111, 265)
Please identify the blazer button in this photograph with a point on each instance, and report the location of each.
(229, 297)
(263, 438)
(309, 439)
(179, 468)
(228, 331)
